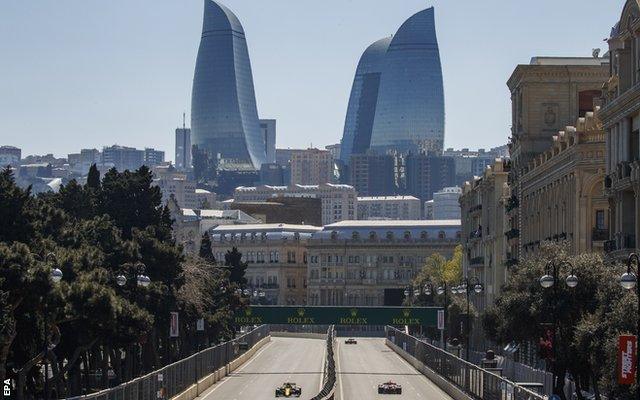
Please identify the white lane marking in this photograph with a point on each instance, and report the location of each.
(339, 373)
(226, 378)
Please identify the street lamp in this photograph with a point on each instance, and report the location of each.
(628, 281)
(440, 290)
(550, 279)
(469, 286)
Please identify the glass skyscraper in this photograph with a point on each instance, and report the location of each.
(224, 116)
(397, 99)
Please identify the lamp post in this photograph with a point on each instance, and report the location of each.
(468, 286)
(55, 276)
(628, 281)
(440, 290)
(551, 279)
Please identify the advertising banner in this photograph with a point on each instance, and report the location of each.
(173, 324)
(627, 359)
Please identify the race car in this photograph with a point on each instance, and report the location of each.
(288, 389)
(389, 388)
(351, 341)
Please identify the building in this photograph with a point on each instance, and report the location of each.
(268, 131)
(153, 157)
(445, 204)
(123, 158)
(183, 190)
(621, 121)
(10, 155)
(334, 149)
(484, 223)
(373, 174)
(561, 191)
(370, 263)
(547, 95)
(183, 148)
(80, 163)
(339, 202)
(426, 174)
(311, 167)
(206, 200)
(286, 210)
(471, 163)
(224, 116)
(271, 174)
(361, 110)
(276, 255)
(389, 208)
(397, 96)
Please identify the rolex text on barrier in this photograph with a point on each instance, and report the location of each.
(320, 315)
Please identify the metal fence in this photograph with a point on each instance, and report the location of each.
(299, 328)
(329, 374)
(175, 378)
(470, 378)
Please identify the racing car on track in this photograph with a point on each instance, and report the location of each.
(389, 388)
(288, 389)
(351, 341)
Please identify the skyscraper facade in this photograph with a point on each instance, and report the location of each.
(183, 148)
(268, 132)
(397, 98)
(224, 116)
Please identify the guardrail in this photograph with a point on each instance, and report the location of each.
(173, 379)
(469, 378)
(329, 373)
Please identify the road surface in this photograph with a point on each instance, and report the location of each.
(363, 366)
(278, 361)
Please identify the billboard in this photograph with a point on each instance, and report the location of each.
(627, 359)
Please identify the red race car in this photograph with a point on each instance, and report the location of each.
(389, 388)
(351, 341)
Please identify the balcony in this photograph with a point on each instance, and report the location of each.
(475, 208)
(477, 234)
(512, 203)
(510, 262)
(621, 246)
(598, 235)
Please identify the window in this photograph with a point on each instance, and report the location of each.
(442, 235)
(355, 236)
(600, 219)
(304, 257)
(407, 235)
(372, 235)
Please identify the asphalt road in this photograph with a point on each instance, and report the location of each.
(280, 360)
(363, 366)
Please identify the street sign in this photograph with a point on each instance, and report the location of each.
(320, 315)
(441, 319)
(627, 356)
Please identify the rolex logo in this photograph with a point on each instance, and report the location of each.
(406, 312)
(300, 312)
(248, 311)
(354, 312)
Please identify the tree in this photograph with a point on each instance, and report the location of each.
(237, 268)
(14, 210)
(206, 251)
(93, 178)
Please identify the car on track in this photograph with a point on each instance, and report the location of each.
(351, 341)
(288, 389)
(389, 388)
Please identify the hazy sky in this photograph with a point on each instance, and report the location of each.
(88, 73)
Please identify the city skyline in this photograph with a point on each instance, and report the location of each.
(87, 99)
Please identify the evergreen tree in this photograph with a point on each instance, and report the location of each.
(93, 179)
(233, 260)
(15, 222)
(206, 251)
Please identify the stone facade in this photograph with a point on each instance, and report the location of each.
(484, 224)
(311, 167)
(620, 117)
(562, 194)
(284, 210)
(370, 263)
(546, 95)
(389, 207)
(339, 202)
(276, 255)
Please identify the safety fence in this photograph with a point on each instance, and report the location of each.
(329, 373)
(470, 378)
(299, 328)
(172, 379)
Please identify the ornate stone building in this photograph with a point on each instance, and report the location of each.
(546, 95)
(561, 191)
(370, 263)
(620, 117)
(276, 254)
(484, 224)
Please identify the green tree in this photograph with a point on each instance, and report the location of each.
(14, 210)
(237, 268)
(93, 178)
(206, 251)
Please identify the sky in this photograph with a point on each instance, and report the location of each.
(86, 73)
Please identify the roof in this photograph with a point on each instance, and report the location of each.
(395, 223)
(382, 198)
(567, 61)
(265, 228)
(218, 17)
(202, 191)
(292, 187)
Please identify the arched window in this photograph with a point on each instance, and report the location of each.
(355, 236)
(424, 235)
(372, 235)
(442, 235)
(389, 235)
(334, 235)
(407, 235)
